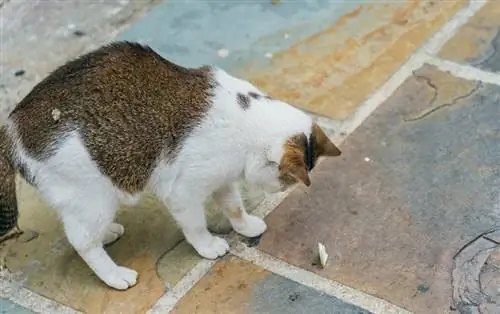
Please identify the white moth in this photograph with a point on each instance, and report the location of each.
(323, 256)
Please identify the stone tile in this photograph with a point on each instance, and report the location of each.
(478, 41)
(53, 269)
(236, 286)
(417, 181)
(333, 71)
(328, 56)
(7, 307)
(152, 245)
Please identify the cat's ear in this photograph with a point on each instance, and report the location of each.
(292, 162)
(323, 145)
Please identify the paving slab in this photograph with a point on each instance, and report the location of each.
(237, 286)
(43, 257)
(477, 43)
(323, 56)
(8, 307)
(417, 181)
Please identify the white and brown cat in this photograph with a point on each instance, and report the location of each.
(103, 128)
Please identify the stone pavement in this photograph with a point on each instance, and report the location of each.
(408, 214)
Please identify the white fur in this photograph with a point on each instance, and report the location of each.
(229, 143)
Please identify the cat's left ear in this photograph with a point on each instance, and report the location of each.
(322, 144)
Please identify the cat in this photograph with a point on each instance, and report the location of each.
(121, 119)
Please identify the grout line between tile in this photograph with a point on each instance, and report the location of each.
(168, 301)
(467, 72)
(422, 55)
(317, 282)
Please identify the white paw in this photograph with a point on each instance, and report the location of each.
(214, 248)
(251, 227)
(114, 232)
(121, 278)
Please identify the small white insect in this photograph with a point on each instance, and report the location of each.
(269, 55)
(323, 256)
(367, 159)
(286, 36)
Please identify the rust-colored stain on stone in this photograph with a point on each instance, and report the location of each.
(226, 289)
(473, 42)
(333, 71)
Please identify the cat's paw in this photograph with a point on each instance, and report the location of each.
(113, 233)
(252, 227)
(216, 247)
(121, 278)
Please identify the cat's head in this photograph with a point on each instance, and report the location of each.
(290, 160)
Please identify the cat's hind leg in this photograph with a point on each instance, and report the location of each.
(87, 213)
(86, 226)
(229, 200)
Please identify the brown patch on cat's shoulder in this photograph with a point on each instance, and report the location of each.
(243, 101)
(129, 105)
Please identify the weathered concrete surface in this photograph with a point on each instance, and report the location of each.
(477, 43)
(54, 32)
(328, 56)
(7, 307)
(236, 286)
(416, 182)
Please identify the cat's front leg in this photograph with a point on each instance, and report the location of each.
(229, 200)
(189, 213)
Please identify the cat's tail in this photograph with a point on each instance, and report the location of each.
(9, 213)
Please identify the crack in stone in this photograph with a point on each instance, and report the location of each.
(435, 89)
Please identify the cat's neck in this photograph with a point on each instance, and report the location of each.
(262, 119)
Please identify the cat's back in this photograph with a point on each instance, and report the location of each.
(122, 73)
(124, 101)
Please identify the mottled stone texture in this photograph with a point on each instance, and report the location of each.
(477, 43)
(236, 286)
(327, 56)
(417, 181)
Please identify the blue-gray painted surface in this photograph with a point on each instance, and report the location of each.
(449, 165)
(8, 307)
(192, 32)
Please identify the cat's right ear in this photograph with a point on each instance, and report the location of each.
(325, 147)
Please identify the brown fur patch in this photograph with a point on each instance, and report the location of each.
(292, 165)
(127, 103)
(243, 101)
(8, 200)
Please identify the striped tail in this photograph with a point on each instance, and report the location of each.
(8, 201)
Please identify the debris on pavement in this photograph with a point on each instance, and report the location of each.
(20, 72)
(323, 256)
